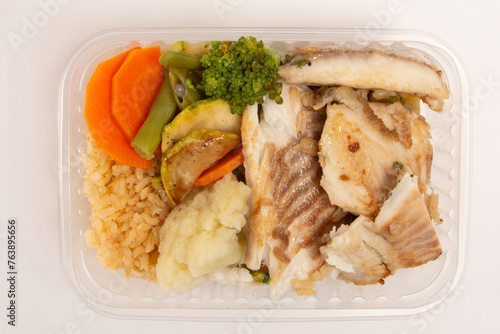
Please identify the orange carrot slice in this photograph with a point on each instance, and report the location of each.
(134, 88)
(103, 128)
(225, 166)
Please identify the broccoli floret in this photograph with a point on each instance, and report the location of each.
(241, 73)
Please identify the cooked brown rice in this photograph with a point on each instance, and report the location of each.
(127, 214)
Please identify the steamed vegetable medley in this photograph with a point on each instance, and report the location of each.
(242, 146)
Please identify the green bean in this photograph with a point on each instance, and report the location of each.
(261, 277)
(162, 111)
(183, 85)
(181, 60)
(197, 49)
(178, 46)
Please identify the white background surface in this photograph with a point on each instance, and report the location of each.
(28, 138)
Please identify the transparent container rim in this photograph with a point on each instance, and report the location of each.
(205, 314)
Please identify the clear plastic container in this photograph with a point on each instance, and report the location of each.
(408, 292)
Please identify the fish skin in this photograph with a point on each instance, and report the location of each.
(401, 236)
(290, 212)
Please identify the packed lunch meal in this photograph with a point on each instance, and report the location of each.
(240, 163)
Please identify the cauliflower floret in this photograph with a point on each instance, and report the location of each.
(200, 235)
(233, 275)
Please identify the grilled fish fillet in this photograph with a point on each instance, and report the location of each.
(290, 212)
(372, 69)
(401, 236)
(366, 147)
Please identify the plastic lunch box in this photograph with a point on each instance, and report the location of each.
(408, 292)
